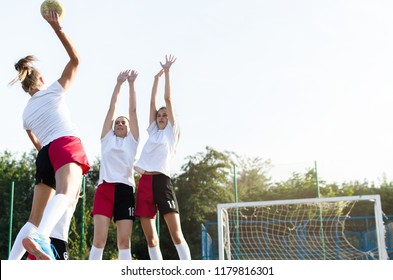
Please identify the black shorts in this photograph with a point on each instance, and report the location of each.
(61, 248)
(44, 169)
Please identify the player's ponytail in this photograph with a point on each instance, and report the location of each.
(28, 75)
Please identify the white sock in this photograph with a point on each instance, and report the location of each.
(96, 253)
(183, 251)
(155, 253)
(18, 250)
(54, 210)
(125, 254)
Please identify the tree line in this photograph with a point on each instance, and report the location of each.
(205, 180)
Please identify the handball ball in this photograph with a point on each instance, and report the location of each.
(48, 5)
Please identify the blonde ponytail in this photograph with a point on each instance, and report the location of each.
(28, 75)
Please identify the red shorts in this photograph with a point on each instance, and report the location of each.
(155, 192)
(68, 149)
(114, 200)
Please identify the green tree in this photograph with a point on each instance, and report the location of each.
(204, 182)
(386, 192)
(252, 179)
(296, 187)
(21, 173)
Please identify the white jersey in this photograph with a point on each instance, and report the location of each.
(47, 116)
(159, 149)
(117, 159)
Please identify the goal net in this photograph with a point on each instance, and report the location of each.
(309, 229)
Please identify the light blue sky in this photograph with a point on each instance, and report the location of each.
(290, 81)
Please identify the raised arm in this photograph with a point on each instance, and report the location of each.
(153, 99)
(110, 115)
(167, 94)
(134, 128)
(71, 68)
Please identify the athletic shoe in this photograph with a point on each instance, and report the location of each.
(38, 246)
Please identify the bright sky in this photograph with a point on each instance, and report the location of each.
(296, 82)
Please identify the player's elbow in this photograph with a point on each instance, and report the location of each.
(75, 60)
(168, 100)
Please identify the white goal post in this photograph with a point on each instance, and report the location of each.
(312, 228)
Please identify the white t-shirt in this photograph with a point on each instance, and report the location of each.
(117, 159)
(159, 149)
(47, 115)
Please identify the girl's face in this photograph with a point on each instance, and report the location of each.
(162, 118)
(122, 127)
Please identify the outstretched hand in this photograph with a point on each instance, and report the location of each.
(132, 76)
(123, 75)
(168, 63)
(53, 19)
